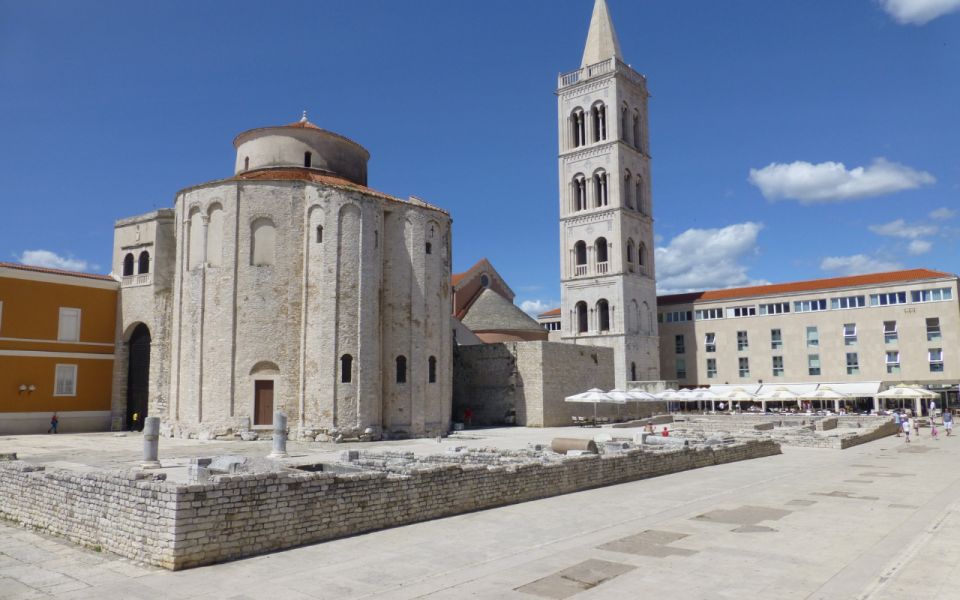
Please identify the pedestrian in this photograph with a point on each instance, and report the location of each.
(665, 432)
(54, 421)
(933, 429)
(933, 408)
(915, 421)
(897, 421)
(948, 422)
(906, 428)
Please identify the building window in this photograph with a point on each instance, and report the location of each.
(627, 184)
(633, 371)
(432, 369)
(849, 334)
(777, 308)
(641, 197)
(778, 366)
(599, 189)
(401, 369)
(579, 126)
(579, 193)
(853, 363)
(65, 380)
(580, 258)
(709, 313)
(776, 340)
(888, 299)
(679, 345)
(603, 315)
(307, 159)
(263, 239)
(848, 302)
(599, 113)
(742, 311)
(813, 364)
(346, 368)
(214, 255)
(809, 305)
(484, 280)
(933, 329)
(69, 326)
(936, 360)
(744, 363)
(642, 254)
(246, 163)
(813, 337)
(889, 332)
(319, 234)
(143, 263)
(710, 342)
(681, 368)
(429, 248)
(893, 361)
(600, 247)
(581, 309)
(637, 142)
(128, 265)
(742, 341)
(630, 249)
(711, 368)
(931, 295)
(679, 316)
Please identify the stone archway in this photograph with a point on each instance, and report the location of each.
(138, 377)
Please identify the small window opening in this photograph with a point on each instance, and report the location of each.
(128, 265)
(429, 248)
(246, 163)
(401, 369)
(346, 368)
(308, 159)
(319, 234)
(143, 263)
(432, 377)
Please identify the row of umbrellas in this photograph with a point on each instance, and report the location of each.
(779, 394)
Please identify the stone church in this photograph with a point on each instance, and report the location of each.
(289, 286)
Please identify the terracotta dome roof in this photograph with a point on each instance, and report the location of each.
(301, 124)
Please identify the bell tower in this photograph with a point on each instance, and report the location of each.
(608, 281)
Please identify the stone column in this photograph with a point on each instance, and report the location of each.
(151, 443)
(279, 436)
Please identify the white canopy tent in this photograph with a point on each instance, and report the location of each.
(781, 394)
(825, 393)
(591, 396)
(912, 394)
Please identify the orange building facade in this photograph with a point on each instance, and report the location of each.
(57, 333)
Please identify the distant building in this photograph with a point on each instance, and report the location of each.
(483, 304)
(56, 349)
(887, 328)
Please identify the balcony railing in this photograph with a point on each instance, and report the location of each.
(136, 280)
(607, 66)
(603, 267)
(580, 270)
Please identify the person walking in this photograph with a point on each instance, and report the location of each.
(933, 429)
(948, 422)
(54, 422)
(897, 421)
(906, 428)
(915, 421)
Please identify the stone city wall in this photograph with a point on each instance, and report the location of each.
(181, 526)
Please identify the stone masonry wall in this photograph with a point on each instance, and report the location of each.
(182, 526)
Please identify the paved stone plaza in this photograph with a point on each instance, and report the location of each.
(876, 521)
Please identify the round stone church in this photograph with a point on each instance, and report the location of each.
(289, 286)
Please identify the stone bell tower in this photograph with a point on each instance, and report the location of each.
(608, 281)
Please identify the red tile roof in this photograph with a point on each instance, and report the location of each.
(303, 125)
(22, 267)
(458, 277)
(550, 313)
(803, 286)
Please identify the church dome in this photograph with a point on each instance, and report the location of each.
(301, 145)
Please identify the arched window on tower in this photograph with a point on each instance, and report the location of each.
(579, 192)
(633, 371)
(603, 315)
(600, 188)
(599, 113)
(578, 128)
(627, 188)
(580, 258)
(640, 196)
(642, 257)
(246, 163)
(624, 123)
(319, 234)
(128, 265)
(600, 251)
(630, 251)
(143, 263)
(401, 369)
(308, 159)
(346, 368)
(429, 248)
(637, 141)
(581, 310)
(432, 369)
(263, 240)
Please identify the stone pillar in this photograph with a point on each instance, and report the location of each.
(151, 443)
(279, 435)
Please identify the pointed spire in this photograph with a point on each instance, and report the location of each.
(602, 42)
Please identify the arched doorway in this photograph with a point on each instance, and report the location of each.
(138, 377)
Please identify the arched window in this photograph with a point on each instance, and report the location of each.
(401, 369)
(600, 188)
(600, 247)
(640, 196)
(603, 315)
(215, 236)
(432, 369)
(633, 371)
(346, 368)
(319, 234)
(580, 258)
(627, 185)
(484, 280)
(633, 317)
(429, 248)
(624, 123)
(599, 113)
(263, 240)
(195, 239)
(128, 265)
(630, 249)
(308, 159)
(578, 128)
(579, 192)
(642, 254)
(246, 163)
(581, 310)
(143, 263)
(637, 141)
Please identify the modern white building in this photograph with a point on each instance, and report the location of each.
(608, 285)
(290, 285)
(884, 328)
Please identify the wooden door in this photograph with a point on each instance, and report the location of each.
(263, 402)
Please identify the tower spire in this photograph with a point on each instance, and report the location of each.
(602, 42)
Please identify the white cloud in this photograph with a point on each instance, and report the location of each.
(536, 307)
(918, 12)
(833, 182)
(943, 214)
(857, 264)
(918, 247)
(902, 229)
(701, 259)
(52, 260)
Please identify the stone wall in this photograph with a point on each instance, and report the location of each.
(181, 526)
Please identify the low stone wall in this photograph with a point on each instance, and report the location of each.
(888, 428)
(234, 516)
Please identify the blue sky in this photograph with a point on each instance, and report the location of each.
(790, 140)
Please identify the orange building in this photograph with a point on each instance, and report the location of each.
(56, 349)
